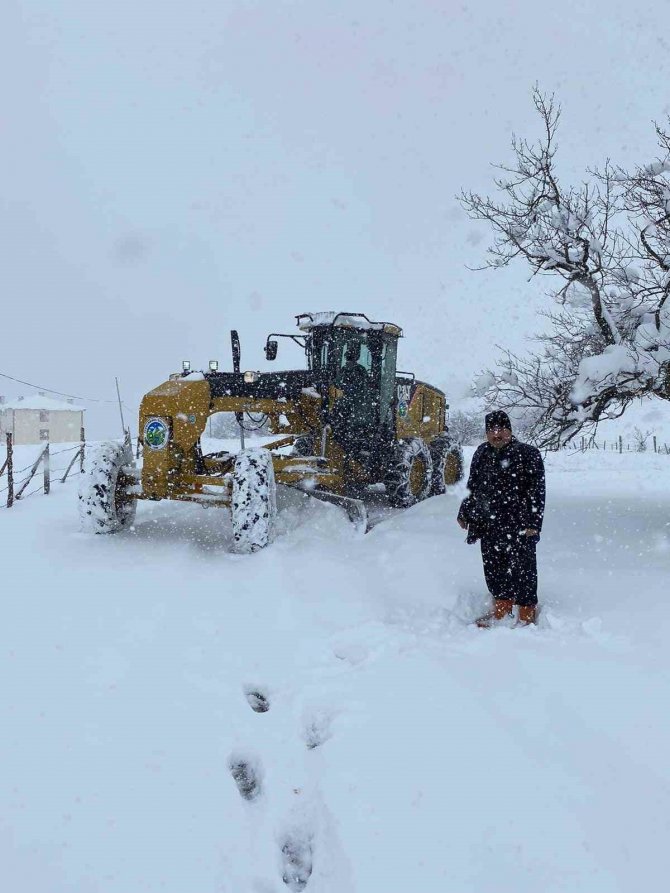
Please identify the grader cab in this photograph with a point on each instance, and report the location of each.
(347, 424)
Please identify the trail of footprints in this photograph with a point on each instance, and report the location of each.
(297, 847)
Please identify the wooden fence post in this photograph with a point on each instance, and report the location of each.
(31, 473)
(82, 451)
(73, 460)
(655, 450)
(620, 444)
(10, 471)
(46, 465)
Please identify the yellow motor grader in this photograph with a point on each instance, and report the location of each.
(346, 425)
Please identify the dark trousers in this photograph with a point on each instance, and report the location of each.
(510, 567)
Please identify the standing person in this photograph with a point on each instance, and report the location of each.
(504, 510)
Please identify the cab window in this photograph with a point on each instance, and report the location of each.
(364, 355)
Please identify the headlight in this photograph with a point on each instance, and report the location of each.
(251, 377)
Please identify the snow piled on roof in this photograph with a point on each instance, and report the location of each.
(327, 318)
(41, 401)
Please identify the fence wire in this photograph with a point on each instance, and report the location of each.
(615, 446)
(20, 479)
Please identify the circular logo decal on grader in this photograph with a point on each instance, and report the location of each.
(346, 424)
(156, 434)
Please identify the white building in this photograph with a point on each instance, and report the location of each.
(41, 418)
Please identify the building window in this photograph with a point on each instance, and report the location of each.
(44, 433)
(44, 415)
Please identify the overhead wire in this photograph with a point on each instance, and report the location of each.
(59, 393)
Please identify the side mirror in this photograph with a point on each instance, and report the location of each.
(271, 350)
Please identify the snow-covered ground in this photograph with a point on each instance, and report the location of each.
(403, 750)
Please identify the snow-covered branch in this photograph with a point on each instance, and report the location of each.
(606, 245)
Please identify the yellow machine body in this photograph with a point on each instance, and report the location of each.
(174, 415)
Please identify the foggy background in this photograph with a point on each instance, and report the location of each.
(173, 170)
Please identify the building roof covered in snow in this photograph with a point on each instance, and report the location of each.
(41, 401)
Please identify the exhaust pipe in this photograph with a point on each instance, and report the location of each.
(237, 356)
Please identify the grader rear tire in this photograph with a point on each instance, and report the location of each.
(254, 500)
(409, 476)
(448, 465)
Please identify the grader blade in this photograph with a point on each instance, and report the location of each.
(355, 508)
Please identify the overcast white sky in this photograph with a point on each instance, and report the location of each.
(172, 170)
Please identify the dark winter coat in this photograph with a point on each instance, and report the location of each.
(507, 491)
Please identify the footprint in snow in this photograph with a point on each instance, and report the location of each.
(317, 729)
(246, 773)
(257, 700)
(297, 858)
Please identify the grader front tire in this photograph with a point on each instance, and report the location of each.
(254, 500)
(106, 501)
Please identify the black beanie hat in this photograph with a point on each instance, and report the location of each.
(497, 419)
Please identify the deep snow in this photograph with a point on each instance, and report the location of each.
(402, 750)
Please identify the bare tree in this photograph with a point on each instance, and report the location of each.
(466, 427)
(640, 439)
(605, 247)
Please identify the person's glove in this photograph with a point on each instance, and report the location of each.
(464, 514)
(530, 535)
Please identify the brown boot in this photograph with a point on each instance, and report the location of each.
(526, 614)
(501, 608)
